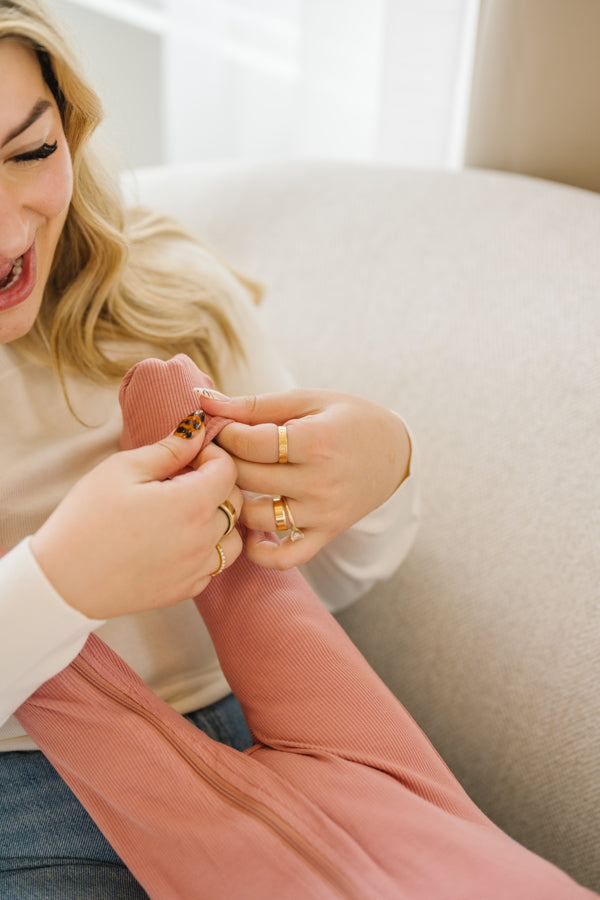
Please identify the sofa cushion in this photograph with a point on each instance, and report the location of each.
(469, 303)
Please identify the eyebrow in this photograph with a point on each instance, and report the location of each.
(39, 108)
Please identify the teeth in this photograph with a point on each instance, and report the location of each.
(13, 275)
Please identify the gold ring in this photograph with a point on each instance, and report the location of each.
(229, 510)
(279, 513)
(222, 561)
(282, 444)
(295, 533)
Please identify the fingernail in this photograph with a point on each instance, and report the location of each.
(191, 425)
(212, 395)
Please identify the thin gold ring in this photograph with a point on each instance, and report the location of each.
(222, 561)
(279, 513)
(295, 533)
(229, 510)
(282, 444)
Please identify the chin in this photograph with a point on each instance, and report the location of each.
(18, 321)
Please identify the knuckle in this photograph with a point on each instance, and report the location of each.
(167, 445)
(247, 450)
(237, 498)
(229, 469)
(252, 404)
(241, 444)
(234, 547)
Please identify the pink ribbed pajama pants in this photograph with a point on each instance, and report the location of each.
(341, 794)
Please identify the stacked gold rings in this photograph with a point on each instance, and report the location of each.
(295, 533)
(222, 561)
(284, 520)
(229, 510)
(279, 511)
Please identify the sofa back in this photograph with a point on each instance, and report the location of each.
(469, 303)
(534, 103)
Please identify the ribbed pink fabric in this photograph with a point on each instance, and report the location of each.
(341, 795)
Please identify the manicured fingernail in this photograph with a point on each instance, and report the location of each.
(191, 425)
(212, 395)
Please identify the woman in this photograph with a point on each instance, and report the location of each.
(340, 794)
(86, 290)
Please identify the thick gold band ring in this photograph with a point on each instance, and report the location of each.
(295, 533)
(222, 561)
(229, 510)
(279, 513)
(282, 444)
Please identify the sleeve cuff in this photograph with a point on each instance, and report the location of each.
(41, 633)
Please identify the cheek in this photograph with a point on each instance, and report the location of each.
(57, 188)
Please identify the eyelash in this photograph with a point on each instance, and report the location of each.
(42, 152)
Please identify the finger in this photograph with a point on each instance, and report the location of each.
(260, 443)
(258, 514)
(261, 408)
(210, 451)
(228, 512)
(208, 555)
(210, 479)
(166, 457)
(216, 562)
(266, 551)
(227, 549)
(264, 478)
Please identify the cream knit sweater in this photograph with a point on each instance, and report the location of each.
(44, 450)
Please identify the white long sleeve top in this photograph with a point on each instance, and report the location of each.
(44, 450)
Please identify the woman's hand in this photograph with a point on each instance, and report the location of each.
(346, 456)
(124, 539)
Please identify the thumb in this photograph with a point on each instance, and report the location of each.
(167, 457)
(260, 408)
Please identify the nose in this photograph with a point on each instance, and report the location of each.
(17, 228)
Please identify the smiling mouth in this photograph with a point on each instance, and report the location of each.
(13, 276)
(17, 284)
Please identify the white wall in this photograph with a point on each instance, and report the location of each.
(123, 57)
(204, 79)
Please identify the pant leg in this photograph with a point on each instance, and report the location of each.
(299, 820)
(50, 847)
(183, 811)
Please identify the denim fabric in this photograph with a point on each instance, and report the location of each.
(50, 849)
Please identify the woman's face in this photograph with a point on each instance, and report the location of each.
(36, 183)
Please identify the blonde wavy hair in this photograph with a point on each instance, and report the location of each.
(108, 281)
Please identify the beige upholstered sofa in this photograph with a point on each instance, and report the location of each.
(470, 303)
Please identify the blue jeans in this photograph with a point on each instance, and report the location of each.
(50, 847)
